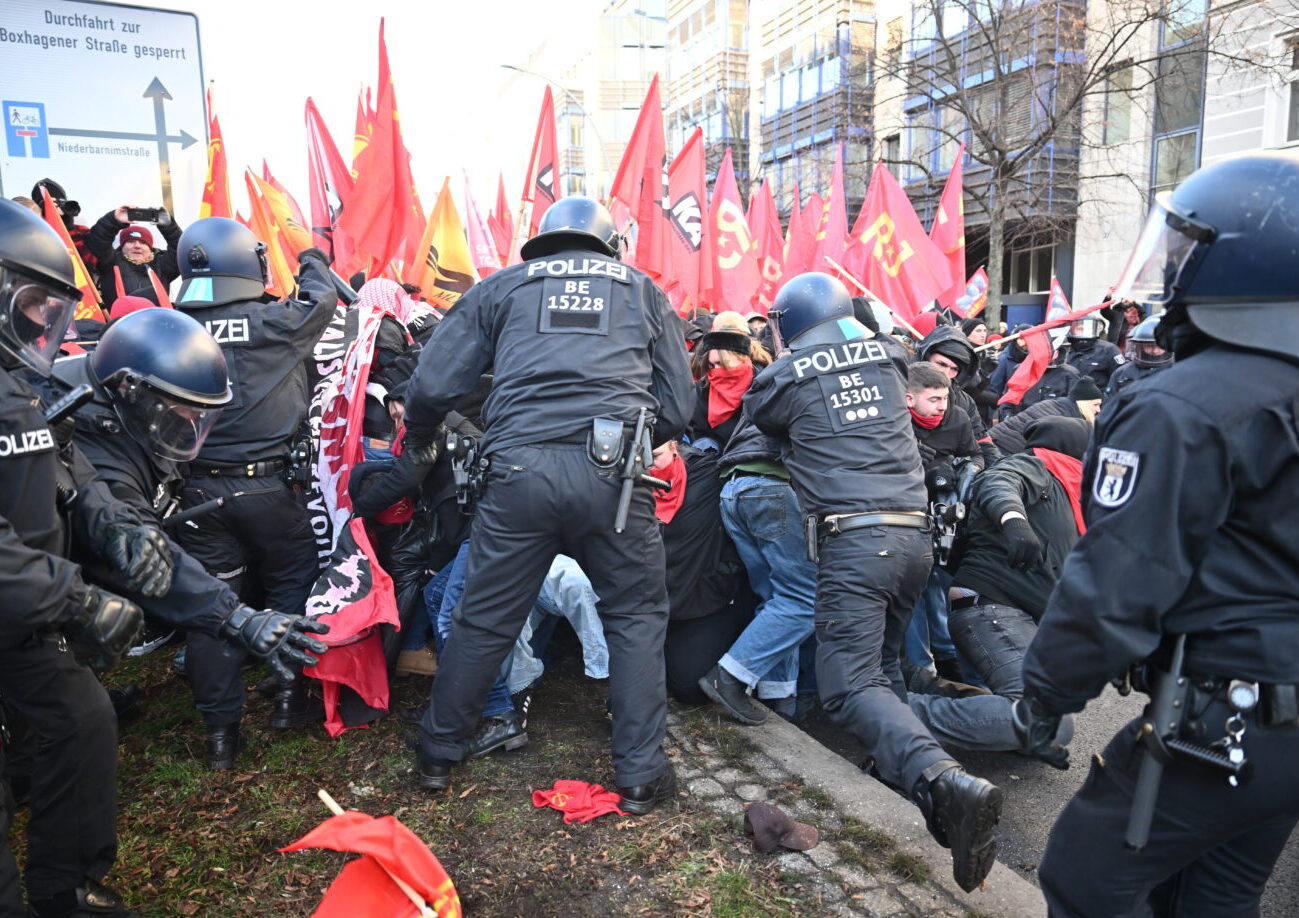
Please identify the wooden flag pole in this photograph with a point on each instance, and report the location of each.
(425, 910)
(864, 292)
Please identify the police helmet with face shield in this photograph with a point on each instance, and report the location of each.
(1220, 252)
(574, 222)
(220, 261)
(166, 377)
(1088, 328)
(813, 308)
(1142, 348)
(38, 291)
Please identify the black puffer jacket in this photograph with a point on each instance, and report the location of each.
(951, 342)
(134, 277)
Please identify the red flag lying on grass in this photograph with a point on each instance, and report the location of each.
(1038, 344)
(365, 888)
(579, 801)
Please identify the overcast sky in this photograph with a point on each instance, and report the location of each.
(264, 58)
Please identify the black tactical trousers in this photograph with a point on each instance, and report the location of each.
(540, 501)
(11, 898)
(1211, 848)
(269, 533)
(72, 735)
(868, 581)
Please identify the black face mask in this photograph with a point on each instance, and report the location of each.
(1175, 333)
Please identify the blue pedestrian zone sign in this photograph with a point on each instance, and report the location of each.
(25, 132)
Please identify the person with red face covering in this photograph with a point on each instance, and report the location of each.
(723, 363)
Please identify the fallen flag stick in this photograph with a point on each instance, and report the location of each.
(1045, 326)
(864, 292)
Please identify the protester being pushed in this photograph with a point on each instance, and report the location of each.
(587, 351)
(1189, 571)
(126, 268)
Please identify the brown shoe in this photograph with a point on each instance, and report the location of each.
(421, 662)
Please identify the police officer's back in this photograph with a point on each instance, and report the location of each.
(1191, 533)
(573, 336)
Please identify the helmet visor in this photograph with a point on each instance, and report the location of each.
(170, 428)
(1163, 259)
(34, 317)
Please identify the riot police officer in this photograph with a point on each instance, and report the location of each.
(1144, 356)
(1090, 353)
(580, 343)
(48, 614)
(159, 382)
(265, 342)
(837, 401)
(1191, 557)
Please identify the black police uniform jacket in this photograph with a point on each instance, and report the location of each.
(1191, 528)
(841, 413)
(1098, 360)
(570, 337)
(266, 345)
(146, 484)
(1129, 373)
(37, 580)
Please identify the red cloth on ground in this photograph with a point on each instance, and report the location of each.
(578, 800)
(926, 423)
(667, 503)
(725, 389)
(1068, 471)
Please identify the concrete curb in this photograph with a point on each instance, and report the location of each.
(1005, 893)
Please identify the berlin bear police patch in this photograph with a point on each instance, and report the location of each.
(1116, 476)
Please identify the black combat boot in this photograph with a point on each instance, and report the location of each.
(961, 811)
(295, 706)
(732, 695)
(224, 743)
(89, 900)
(642, 798)
(503, 731)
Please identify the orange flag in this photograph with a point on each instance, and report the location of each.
(948, 231)
(262, 223)
(293, 233)
(764, 222)
(690, 246)
(89, 307)
(216, 190)
(444, 270)
(735, 274)
(641, 185)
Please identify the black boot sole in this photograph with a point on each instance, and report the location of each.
(434, 782)
(509, 744)
(743, 717)
(974, 847)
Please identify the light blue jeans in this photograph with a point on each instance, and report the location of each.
(565, 593)
(928, 630)
(764, 521)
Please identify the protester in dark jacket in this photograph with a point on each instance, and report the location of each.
(135, 255)
(948, 347)
(1084, 402)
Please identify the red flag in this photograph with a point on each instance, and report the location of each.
(89, 305)
(975, 297)
(764, 221)
(948, 231)
(367, 886)
(1057, 304)
(890, 252)
(1039, 346)
(380, 214)
(832, 225)
(216, 189)
(541, 188)
(482, 248)
(691, 246)
(364, 126)
(800, 240)
(641, 184)
(736, 274)
(329, 181)
(501, 222)
(159, 290)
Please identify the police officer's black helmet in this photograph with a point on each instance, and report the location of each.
(166, 377)
(806, 306)
(220, 261)
(574, 223)
(1221, 251)
(38, 291)
(1142, 348)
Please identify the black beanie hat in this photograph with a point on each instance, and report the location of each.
(1063, 435)
(1085, 390)
(971, 324)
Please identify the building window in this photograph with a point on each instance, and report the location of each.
(1182, 21)
(1292, 119)
(1118, 105)
(1175, 159)
(1028, 269)
(892, 148)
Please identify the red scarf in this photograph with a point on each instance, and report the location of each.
(1068, 471)
(725, 389)
(667, 503)
(926, 423)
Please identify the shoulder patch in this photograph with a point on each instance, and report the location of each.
(1116, 476)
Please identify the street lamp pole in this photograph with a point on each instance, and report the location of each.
(586, 116)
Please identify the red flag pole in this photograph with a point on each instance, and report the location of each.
(1046, 326)
(864, 292)
(425, 910)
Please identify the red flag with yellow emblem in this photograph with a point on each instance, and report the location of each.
(216, 189)
(736, 274)
(948, 231)
(764, 221)
(90, 303)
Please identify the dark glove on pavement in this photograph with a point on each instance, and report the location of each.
(1022, 544)
(141, 556)
(1036, 728)
(283, 641)
(101, 626)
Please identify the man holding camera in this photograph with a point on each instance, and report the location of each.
(135, 255)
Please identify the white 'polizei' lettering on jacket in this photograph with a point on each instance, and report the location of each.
(29, 441)
(841, 356)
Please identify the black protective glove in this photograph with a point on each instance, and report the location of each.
(422, 453)
(141, 555)
(940, 476)
(100, 627)
(316, 253)
(1022, 545)
(927, 453)
(281, 640)
(1036, 728)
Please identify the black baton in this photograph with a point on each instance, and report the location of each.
(1167, 707)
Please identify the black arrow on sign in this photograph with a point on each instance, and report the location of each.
(158, 93)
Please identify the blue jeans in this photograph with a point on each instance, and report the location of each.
(565, 593)
(441, 596)
(928, 629)
(764, 521)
